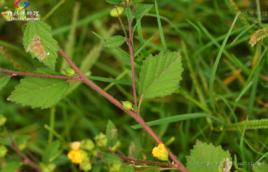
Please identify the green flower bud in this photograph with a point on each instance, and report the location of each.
(3, 120)
(87, 144)
(127, 105)
(86, 166)
(69, 72)
(117, 11)
(101, 140)
(3, 151)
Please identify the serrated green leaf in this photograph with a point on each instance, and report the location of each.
(38, 41)
(260, 167)
(206, 157)
(111, 133)
(51, 152)
(114, 41)
(113, 2)
(128, 13)
(39, 92)
(142, 9)
(160, 75)
(3, 81)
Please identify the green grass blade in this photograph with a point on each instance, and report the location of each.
(216, 64)
(175, 118)
(161, 31)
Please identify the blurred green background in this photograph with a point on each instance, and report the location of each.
(196, 28)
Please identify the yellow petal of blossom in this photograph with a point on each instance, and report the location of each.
(77, 156)
(117, 11)
(75, 145)
(160, 152)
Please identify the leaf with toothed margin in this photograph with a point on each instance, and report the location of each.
(207, 157)
(39, 92)
(160, 75)
(39, 42)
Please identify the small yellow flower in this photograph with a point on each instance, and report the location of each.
(75, 145)
(160, 152)
(77, 156)
(117, 11)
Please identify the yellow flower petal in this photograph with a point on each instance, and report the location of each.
(160, 152)
(77, 156)
(75, 145)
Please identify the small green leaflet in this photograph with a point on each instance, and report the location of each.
(111, 133)
(51, 152)
(38, 41)
(114, 41)
(142, 9)
(39, 92)
(206, 157)
(3, 81)
(160, 75)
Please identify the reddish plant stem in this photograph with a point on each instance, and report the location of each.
(145, 162)
(13, 73)
(134, 162)
(132, 62)
(25, 159)
(118, 104)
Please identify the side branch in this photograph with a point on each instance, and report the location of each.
(25, 159)
(81, 77)
(13, 73)
(130, 45)
(118, 104)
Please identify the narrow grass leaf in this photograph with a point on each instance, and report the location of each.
(174, 118)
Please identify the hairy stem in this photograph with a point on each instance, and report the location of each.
(25, 160)
(133, 161)
(13, 73)
(132, 62)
